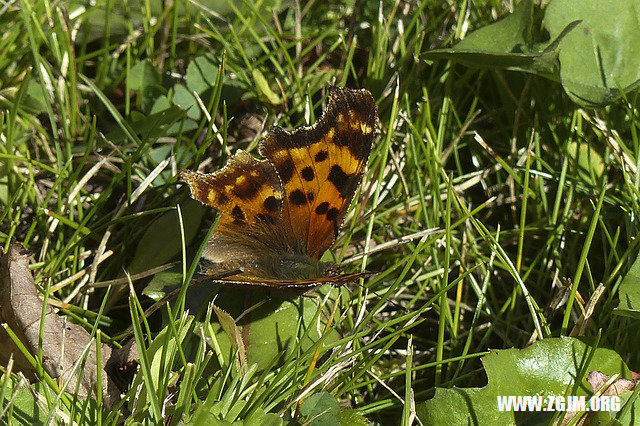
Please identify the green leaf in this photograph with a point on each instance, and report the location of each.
(349, 417)
(260, 418)
(36, 98)
(505, 44)
(548, 367)
(273, 326)
(510, 34)
(184, 99)
(201, 73)
(600, 59)
(160, 104)
(596, 62)
(629, 292)
(162, 283)
(161, 241)
(143, 75)
(151, 126)
(321, 409)
(209, 414)
(26, 408)
(4, 189)
(264, 91)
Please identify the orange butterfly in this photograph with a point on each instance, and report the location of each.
(279, 215)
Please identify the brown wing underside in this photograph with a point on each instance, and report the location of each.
(245, 192)
(320, 167)
(337, 280)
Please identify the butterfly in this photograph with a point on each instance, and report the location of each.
(279, 215)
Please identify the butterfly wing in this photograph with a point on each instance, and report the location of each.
(248, 196)
(297, 284)
(321, 166)
(246, 191)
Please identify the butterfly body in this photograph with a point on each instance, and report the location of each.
(279, 215)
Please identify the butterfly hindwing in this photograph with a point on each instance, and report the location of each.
(245, 192)
(321, 166)
(304, 284)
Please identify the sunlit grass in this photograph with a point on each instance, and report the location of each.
(491, 163)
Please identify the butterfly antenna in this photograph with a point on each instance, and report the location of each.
(375, 293)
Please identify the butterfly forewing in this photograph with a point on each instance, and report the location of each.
(320, 167)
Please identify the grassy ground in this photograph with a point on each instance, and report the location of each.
(492, 209)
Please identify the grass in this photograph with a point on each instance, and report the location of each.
(527, 199)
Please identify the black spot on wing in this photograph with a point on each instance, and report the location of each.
(285, 170)
(358, 143)
(321, 156)
(322, 208)
(332, 214)
(310, 196)
(307, 174)
(272, 204)
(247, 191)
(237, 213)
(298, 198)
(222, 198)
(341, 180)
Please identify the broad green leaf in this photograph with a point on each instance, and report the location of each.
(143, 75)
(631, 416)
(275, 325)
(209, 414)
(260, 418)
(152, 126)
(548, 367)
(162, 241)
(201, 73)
(510, 34)
(350, 417)
(321, 409)
(26, 409)
(4, 190)
(160, 104)
(184, 99)
(600, 59)
(629, 292)
(271, 324)
(505, 44)
(36, 98)
(146, 81)
(596, 62)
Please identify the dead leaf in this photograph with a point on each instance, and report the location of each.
(63, 343)
(598, 379)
